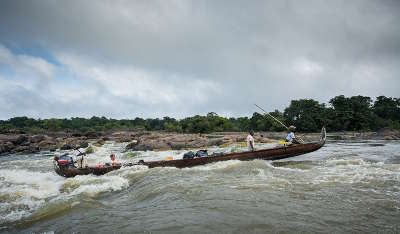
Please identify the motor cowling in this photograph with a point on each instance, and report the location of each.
(64, 161)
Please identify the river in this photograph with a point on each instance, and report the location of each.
(343, 187)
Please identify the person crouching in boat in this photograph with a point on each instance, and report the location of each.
(291, 137)
(113, 160)
(81, 160)
(250, 141)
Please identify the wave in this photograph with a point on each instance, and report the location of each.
(25, 192)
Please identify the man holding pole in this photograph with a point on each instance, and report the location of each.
(292, 129)
(291, 137)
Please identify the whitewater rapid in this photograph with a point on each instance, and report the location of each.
(342, 186)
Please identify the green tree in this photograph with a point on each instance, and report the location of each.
(342, 114)
(387, 108)
(354, 113)
(361, 113)
(259, 122)
(306, 114)
(275, 126)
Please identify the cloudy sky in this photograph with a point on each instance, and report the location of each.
(177, 58)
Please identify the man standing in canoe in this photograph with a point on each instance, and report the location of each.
(81, 160)
(250, 141)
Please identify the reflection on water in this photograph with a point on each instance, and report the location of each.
(343, 187)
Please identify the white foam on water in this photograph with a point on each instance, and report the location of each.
(216, 165)
(335, 162)
(22, 192)
(271, 178)
(91, 186)
(353, 171)
(126, 171)
(75, 203)
(38, 185)
(285, 168)
(25, 191)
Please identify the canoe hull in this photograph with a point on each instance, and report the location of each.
(265, 154)
(71, 172)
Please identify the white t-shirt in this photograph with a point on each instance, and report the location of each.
(249, 139)
(82, 161)
(290, 136)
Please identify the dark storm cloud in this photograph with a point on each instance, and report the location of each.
(237, 52)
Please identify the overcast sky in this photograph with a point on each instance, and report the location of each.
(127, 59)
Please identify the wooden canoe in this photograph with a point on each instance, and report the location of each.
(266, 154)
(73, 171)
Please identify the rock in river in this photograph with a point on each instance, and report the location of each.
(37, 138)
(47, 145)
(19, 140)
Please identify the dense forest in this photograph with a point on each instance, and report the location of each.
(357, 113)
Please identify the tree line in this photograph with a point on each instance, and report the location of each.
(356, 113)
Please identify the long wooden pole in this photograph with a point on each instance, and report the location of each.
(271, 116)
(301, 140)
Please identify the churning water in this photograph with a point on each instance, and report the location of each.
(343, 187)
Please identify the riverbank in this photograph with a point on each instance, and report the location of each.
(152, 140)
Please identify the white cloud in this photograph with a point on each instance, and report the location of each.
(5, 55)
(93, 88)
(140, 85)
(28, 68)
(28, 65)
(306, 67)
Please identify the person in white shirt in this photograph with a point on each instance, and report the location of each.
(291, 137)
(250, 141)
(81, 160)
(113, 160)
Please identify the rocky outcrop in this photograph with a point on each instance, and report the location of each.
(389, 134)
(47, 145)
(84, 144)
(23, 143)
(99, 143)
(132, 145)
(19, 140)
(66, 146)
(6, 147)
(37, 138)
(26, 149)
(92, 135)
(168, 141)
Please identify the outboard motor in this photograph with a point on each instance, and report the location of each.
(64, 161)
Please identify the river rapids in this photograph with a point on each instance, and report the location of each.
(344, 187)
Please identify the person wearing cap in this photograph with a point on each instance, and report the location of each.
(250, 141)
(291, 137)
